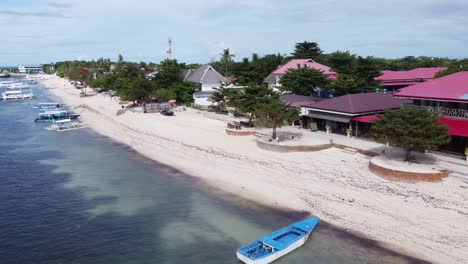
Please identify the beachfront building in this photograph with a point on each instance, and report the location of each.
(394, 80)
(37, 68)
(354, 111)
(273, 79)
(447, 95)
(205, 78)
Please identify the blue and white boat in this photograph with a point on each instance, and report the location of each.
(277, 244)
(55, 115)
(50, 106)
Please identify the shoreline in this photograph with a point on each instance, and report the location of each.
(255, 184)
(241, 202)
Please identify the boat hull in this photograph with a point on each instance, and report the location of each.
(276, 255)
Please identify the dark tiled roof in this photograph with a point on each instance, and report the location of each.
(359, 103)
(204, 74)
(292, 98)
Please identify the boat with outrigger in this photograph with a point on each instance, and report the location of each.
(50, 106)
(55, 115)
(66, 125)
(277, 244)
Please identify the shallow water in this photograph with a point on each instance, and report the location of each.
(78, 197)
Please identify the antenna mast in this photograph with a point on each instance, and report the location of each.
(169, 50)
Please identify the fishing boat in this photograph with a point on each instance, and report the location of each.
(277, 244)
(65, 125)
(55, 115)
(50, 106)
(18, 86)
(17, 95)
(6, 84)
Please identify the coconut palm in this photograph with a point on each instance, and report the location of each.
(226, 59)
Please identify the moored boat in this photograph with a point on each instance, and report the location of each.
(65, 125)
(277, 244)
(50, 106)
(17, 95)
(55, 115)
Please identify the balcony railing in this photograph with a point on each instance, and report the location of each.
(448, 112)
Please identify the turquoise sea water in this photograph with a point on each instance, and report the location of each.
(79, 197)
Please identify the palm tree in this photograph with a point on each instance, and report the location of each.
(226, 58)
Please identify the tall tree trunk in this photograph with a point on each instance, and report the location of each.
(274, 132)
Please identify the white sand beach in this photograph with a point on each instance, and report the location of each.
(424, 220)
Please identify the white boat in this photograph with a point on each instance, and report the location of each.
(277, 244)
(34, 78)
(18, 85)
(65, 125)
(6, 84)
(17, 95)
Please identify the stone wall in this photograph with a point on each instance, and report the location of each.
(283, 148)
(233, 132)
(405, 176)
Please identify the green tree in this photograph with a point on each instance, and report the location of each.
(306, 50)
(248, 100)
(226, 59)
(342, 62)
(456, 66)
(168, 74)
(164, 94)
(347, 84)
(303, 81)
(366, 70)
(274, 114)
(410, 128)
(183, 92)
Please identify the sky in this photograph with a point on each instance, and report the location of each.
(44, 31)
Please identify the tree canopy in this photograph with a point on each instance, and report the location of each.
(304, 81)
(306, 50)
(411, 128)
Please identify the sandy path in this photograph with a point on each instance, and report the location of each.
(424, 220)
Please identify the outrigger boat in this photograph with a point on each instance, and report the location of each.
(65, 125)
(17, 95)
(55, 115)
(277, 244)
(50, 106)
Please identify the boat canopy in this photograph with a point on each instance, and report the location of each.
(13, 92)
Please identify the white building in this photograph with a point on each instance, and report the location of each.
(206, 78)
(38, 68)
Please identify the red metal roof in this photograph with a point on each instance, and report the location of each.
(296, 63)
(415, 74)
(358, 103)
(366, 119)
(452, 87)
(386, 84)
(456, 127)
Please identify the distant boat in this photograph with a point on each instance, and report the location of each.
(55, 115)
(17, 95)
(277, 244)
(66, 125)
(50, 106)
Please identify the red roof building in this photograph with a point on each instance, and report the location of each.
(398, 79)
(447, 95)
(340, 112)
(274, 77)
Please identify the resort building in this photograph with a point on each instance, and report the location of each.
(273, 79)
(394, 80)
(354, 111)
(205, 79)
(38, 68)
(447, 95)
